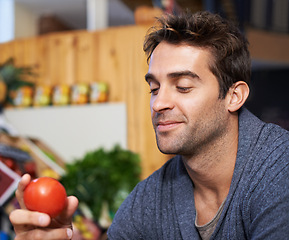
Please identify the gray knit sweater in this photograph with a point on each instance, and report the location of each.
(257, 206)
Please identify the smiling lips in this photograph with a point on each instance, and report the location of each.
(163, 126)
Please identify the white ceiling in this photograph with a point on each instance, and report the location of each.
(73, 12)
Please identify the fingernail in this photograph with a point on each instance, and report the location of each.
(69, 233)
(43, 220)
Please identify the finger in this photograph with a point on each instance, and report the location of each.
(25, 180)
(71, 207)
(65, 218)
(22, 219)
(52, 234)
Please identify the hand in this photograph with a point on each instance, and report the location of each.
(34, 225)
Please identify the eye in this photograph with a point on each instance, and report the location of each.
(154, 87)
(184, 89)
(154, 91)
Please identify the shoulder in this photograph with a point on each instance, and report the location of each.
(262, 165)
(268, 156)
(261, 143)
(272, 148)
(258, 200)
(265, 179)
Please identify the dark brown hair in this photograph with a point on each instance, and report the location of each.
(229, 48)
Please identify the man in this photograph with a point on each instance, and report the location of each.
(230, 176)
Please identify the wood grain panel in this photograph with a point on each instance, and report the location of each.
(61, 57)
(85, 56)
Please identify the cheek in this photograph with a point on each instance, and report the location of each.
(151, 106)
(190, 105)
(198, 107)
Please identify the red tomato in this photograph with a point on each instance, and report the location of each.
(45, 195)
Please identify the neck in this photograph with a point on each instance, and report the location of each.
(212, 170)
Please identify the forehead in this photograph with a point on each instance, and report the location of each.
(179, 57)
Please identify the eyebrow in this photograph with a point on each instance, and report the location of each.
(150, 76)
(183, 74)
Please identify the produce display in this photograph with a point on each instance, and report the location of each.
(59, 95)
(14, 85)
(17, 157)
(79, 93)
(98, 92)
(18, 160)
(42, 95)
(101, 180)
(22, 97)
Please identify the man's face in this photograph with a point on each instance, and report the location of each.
(186, 111)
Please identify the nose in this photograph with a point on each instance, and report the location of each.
(161, 101)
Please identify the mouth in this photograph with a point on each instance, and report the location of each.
(164, 126)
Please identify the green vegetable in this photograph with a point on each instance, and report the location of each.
(103, 176)
(14, 77)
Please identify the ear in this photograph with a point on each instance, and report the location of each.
(237, 96)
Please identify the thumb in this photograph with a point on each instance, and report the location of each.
(25, 180)
(71, 207)
(65, 217)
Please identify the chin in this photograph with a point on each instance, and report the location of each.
(167, 149)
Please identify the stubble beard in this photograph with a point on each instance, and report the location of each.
(194, 139)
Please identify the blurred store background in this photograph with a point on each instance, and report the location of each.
(73, 95)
